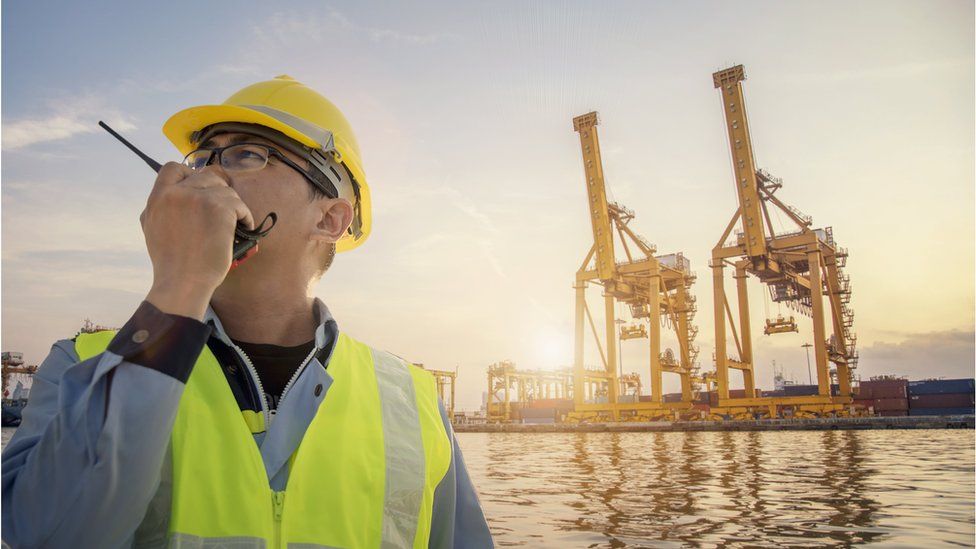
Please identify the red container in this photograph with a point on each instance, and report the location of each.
(886, 388)
(699, 406)
(892, 413)
(561, 403)
(535, 413)
(889, 404)
(957, 400)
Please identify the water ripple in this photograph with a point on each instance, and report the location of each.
(743, 489)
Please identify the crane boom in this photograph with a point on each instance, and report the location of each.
(596, 194)
(743, 160)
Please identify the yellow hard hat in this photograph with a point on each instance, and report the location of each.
(300, 113)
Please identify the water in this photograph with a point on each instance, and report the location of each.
(761, 489)
(765, 489)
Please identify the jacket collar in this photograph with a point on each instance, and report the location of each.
(322, 313)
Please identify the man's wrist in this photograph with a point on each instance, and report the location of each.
(167, 343)
(183, 299)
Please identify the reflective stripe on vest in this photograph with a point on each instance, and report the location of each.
(364, 474)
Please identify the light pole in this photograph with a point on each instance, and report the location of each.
(809, 375)
(620, 353)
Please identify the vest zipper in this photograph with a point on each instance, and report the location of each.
(294, 376)
(278, 501)
(257, 381)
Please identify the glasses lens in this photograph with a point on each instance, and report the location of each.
(198, 159)
(244, 157)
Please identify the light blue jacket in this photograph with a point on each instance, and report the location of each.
(89, 463)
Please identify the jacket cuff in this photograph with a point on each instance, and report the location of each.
(161, 341)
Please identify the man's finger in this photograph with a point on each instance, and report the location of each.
(229, 196)
(172, 172)
(206, 180)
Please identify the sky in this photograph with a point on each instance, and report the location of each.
(464, 119)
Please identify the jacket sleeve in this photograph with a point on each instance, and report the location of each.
(84, 463)
(458, 520)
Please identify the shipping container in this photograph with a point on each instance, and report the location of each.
(536, 413)
(565, 403)
(539, 420)
(883, 388)
(646, 398)
(672, 397)
(940, 386)
(956, 400)
(889, 404)
(808, 390)
(941, 411)
(741, 393)
(883, 404)
(892, 413)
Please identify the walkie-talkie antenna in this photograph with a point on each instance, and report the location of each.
(152, 163)
(245, 240)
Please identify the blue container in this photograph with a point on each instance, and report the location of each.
(800, 390)
(940, 411)
(807, 390)
(940, 386)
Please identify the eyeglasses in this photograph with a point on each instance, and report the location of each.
(246, 157)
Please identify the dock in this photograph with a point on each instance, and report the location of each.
(814, 424)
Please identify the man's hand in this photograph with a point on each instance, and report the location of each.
(189, 224)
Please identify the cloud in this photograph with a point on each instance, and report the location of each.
(66, 119)
(898, 71)
(945, 353)
(285, 28)
(378, 34)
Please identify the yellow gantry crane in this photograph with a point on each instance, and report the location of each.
(799, 268)
(446, 381)
(656, 288)
(505, 381)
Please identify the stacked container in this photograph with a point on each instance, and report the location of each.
(888, 397)
(940, 397)
(807, 390)
(545, 410)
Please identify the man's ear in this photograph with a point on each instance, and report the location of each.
(333, 217)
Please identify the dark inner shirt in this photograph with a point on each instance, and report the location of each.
(275, 365)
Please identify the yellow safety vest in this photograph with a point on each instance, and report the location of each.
(363, 476)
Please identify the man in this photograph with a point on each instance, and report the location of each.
(229, 411)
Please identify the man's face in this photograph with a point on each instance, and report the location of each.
(302, 224)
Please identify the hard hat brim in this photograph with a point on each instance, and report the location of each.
(181, 126)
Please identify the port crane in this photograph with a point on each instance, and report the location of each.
(508, 384)
(446, 381)
(799, 268)
(657, 289)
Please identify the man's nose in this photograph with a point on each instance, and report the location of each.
(214, 165)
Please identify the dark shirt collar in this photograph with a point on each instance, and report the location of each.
(321, 339)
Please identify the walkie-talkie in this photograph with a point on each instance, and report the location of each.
(245, 240)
